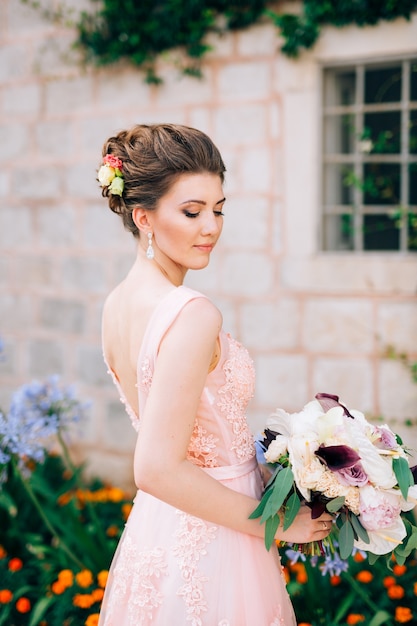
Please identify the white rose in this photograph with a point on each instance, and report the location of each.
(276, 449)
(105, 175)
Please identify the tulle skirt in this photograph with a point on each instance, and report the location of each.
(173, 569)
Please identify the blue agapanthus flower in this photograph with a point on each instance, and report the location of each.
(38, 412)
(333, 565)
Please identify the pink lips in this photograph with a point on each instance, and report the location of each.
(205, 248)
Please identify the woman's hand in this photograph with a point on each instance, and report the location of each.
(305, 529)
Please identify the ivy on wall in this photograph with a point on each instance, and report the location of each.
(142, 30)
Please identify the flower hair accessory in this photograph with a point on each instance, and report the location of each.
(110, 174)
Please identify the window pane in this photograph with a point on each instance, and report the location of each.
(384, 130)
(413, 81)
(339, 134)
(412, 173)
(338, 188)
(380, 232)
(413, 132)
(383, 85)
(339, 88)
(338, 232)
(381, 183)
(412, 231)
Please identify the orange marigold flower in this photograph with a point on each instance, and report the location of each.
(302, 577)
(415, 589)
(115, 494)
(358, 557)
(23, 605)
(126, 508)
(388, 581)
(399, 570)
(66, 577)
(286, 574)
(58, 587)
(304, 624)
(102, 578)
(97, 594)
(355, 618)
(112, 531)
(84, 578)
(335, 580)
(5, 596)
(64, 498)
(15, 564)
(3, 552)
(92, 620)
(403, 614)
(365, 576)
(396, 592)
(83, 600)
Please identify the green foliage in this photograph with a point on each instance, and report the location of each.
(141, 31)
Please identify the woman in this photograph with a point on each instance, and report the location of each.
(189, 553)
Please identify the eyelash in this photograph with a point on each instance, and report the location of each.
(188, 214)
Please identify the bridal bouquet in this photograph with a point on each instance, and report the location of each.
(333, 459)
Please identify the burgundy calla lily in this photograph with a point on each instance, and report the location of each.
(328, 401)
(337, 457)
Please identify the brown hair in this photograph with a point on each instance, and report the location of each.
(153, 158)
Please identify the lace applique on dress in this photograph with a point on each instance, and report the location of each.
(235, 395)
(146, 374)
(193, 535)
(279, 620)
(201, 450)
(135, 575)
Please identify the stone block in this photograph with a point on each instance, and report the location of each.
(276, 231)
(46, 357)
(240, 125)
(121, 264)
(245, 223)
(5, 264)
(56, 56)
(256, 174)
(68, 95)
(120, 88)
(222, 46)
(397, 325)
(93, 132)
(114, 469)
(31, 271)
(14, 140)
(397, 392)
(91, 367)
(24, 99)
(14, 62)
(352, 379)
(83, 274)
(270, 325)
(66, 316)
(247, 274)
(80, 180)
(23, 18)
(16, 227)
(179, 90)
(33, 183)
(249, 80)
(101, 229)
(118, 431)
(338, 326)
(200, 117)
(4, 184)
(231, 159)
(15, 312)
(57, 226)
(257, 41)
(281, 381)
(8, 357)
(206, 279)
(55, 138)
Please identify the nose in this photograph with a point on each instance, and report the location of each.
(212, 224)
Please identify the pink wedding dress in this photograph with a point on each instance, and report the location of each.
(173, 569)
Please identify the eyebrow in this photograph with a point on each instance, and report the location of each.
(202, 202)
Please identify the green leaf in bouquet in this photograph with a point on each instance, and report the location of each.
(271, 526)
(282, 486)
(409, 544)
(291, 509)
(336, 504)
(261, 506)
(359, 530)
(346, 539)
(403, 475)
(40, 609)
(373, 558)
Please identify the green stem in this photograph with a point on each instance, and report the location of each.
(91, 509)
(44, 518)
(360, 591)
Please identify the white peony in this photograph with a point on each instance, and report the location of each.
(105, 175)
(276, 449)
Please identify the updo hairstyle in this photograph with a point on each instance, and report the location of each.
(153, 158)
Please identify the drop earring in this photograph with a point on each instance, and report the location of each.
(150, 251)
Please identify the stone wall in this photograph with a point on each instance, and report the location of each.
(312, 321)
